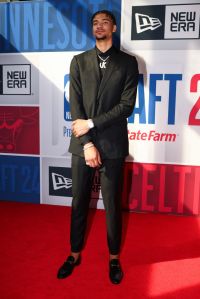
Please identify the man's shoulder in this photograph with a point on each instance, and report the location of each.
(85, 54)
(126, 56)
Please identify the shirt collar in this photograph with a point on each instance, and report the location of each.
(107, 53)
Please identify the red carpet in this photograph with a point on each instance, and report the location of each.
(160, 255)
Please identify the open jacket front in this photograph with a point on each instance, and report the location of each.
(108, 102)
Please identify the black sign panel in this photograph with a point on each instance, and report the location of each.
(60, 181)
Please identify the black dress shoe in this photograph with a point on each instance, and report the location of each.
(67, 268)
(116, 273)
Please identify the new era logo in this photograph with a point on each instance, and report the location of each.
(59, 181)
(159, 22)
(145, 22)
(15, 79)
(182, 21)
(148, 22)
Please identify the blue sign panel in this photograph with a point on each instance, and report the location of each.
(51, 25)
(20, 179)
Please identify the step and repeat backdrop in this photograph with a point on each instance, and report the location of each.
(38, 39)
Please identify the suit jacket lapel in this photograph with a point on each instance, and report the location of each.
(95, 67)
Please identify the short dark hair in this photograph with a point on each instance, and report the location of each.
(107, 13)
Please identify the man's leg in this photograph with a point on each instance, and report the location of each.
(111, 185)
(82, 177)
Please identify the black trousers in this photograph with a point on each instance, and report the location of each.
(111, 176)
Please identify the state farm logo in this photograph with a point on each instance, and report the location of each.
(60, 181)
(158, 22)
(152, 135)
(145, 22)
(15, 79)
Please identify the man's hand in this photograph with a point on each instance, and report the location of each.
(80, 127)
(92, 157)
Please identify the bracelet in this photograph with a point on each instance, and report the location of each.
(88, 145)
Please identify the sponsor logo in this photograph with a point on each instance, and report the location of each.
(144, 22)
(182, 21)
(67, 132)
(157, 22)
(147, 22)
(15, 79)
(67, 113)
(60, 181)
(152, 135)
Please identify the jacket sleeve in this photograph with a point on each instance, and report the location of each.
(127, 101)
(75, 98)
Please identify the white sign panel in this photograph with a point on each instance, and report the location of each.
(154, 24)
(54, 103)
(56, 187)
(165, 125)
(56, 183)
(19, 79)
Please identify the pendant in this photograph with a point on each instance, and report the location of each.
(102, 65)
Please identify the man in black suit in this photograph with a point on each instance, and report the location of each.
(103, 83)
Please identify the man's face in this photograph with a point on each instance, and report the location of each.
(103, 27)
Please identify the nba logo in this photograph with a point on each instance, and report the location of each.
(67, 113)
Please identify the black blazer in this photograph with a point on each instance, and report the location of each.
(108, 102)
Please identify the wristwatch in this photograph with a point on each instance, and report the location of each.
(90, 123)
